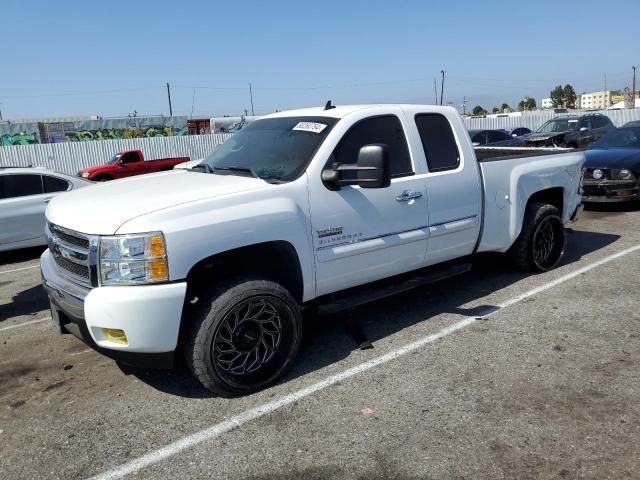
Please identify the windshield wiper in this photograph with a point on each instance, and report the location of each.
(239, 169)
(252, 172)
(201, 167)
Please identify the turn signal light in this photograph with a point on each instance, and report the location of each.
(115, 335)
(157, 246)
(159, 270)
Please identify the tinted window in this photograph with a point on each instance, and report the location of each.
(20, 185)
(54, 184)
(584, 123)
(599, 122)
(130, 157)
(386, 130)
(438, 142)
(497, 136)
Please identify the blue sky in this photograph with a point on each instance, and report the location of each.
(108, 58)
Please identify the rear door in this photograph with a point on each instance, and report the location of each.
(365, 234)
(22, 206)
(454, 191)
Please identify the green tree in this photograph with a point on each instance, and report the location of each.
(505, 106)
(563, 96)
(569, 96)
(495, 110)
(478, 110)
(528, 103)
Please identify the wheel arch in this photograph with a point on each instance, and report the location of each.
(274, 260)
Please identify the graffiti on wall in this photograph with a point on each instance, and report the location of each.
(20, 138)
(117, 134)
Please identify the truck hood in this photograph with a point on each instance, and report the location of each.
(102, 208)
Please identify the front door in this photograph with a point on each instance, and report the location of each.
(365, 234)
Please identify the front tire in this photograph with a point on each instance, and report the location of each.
(542, 241)
(244, 335)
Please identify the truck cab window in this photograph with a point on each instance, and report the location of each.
(21, 185)
(438, 142)
(129, 157)
(386, 130)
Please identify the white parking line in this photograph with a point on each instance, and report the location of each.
(25, 324)
(267, 408)
(20, 269)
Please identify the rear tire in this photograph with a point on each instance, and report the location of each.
(244, 335)
(541, 243)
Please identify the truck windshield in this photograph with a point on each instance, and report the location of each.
(114, 159)
(563, 125)
(272, 148)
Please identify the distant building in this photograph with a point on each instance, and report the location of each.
(596, 100)
(546, 103)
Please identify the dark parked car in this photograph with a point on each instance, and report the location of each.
(485, 137)
(517, 132)
(632, 123)
(571, 131)
(612, 168)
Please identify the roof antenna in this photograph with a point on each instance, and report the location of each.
(328, 105)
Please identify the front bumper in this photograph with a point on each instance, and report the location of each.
(149, 315)
(610, 191)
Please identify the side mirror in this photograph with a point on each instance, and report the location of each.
(584, 129)
(372, 169)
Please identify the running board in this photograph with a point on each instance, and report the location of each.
(361, 295)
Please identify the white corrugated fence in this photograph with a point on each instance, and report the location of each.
(70, 157)
(533, 120)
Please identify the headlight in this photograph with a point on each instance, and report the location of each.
(84, 174)
(597, 174)
(623, 174)
(133, 259)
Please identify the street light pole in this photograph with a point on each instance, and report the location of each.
(442, 86)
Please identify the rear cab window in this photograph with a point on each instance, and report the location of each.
(438, 142)
(384, 129)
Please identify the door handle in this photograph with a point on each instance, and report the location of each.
(406, 196)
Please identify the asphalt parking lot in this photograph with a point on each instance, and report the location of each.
(494, 374)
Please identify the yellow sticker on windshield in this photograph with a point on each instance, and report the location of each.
(312, 127)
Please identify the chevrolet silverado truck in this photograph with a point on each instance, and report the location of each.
(127, 164)
(320, 208)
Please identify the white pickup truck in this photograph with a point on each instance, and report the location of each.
(322, 207)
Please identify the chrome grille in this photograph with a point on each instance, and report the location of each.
(81, 242)
(71, 252)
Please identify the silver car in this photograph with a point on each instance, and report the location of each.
(24, 194)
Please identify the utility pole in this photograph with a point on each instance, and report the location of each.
(435, 91)
(169, 98)
(251, 97)
(442, 86)
(633, 104)
(464, 105)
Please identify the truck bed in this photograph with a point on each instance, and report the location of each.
(509, 181)
(492, 154)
